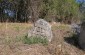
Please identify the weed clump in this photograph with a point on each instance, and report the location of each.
(35, 40)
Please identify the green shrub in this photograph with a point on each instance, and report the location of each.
(35, 40)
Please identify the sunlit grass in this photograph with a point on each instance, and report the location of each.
(61, 26)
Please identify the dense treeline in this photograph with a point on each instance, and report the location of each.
(66, 11)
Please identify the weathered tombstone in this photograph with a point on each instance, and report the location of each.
(82, 36)
(41, 29)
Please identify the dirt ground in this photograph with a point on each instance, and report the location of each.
(59, 45)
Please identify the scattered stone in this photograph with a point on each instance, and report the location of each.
(41, 29)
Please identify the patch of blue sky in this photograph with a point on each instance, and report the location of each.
(9, 12)
(80, 1)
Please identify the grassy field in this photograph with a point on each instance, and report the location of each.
(12, 34)
(13, 30)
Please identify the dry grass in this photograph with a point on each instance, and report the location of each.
(9, 29)
(13, 30)
(11, 35)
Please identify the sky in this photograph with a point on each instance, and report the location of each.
(80, 1)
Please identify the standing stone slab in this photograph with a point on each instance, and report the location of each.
(82, 36)
(41, 29)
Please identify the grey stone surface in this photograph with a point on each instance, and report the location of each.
(41, 29)
(76, 28)
(82, 36)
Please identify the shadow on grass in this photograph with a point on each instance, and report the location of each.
(73, 40)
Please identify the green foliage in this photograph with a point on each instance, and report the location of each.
(61, 9)
(51, 10)
(35, 40)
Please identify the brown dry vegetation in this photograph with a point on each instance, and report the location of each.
(10, 44)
